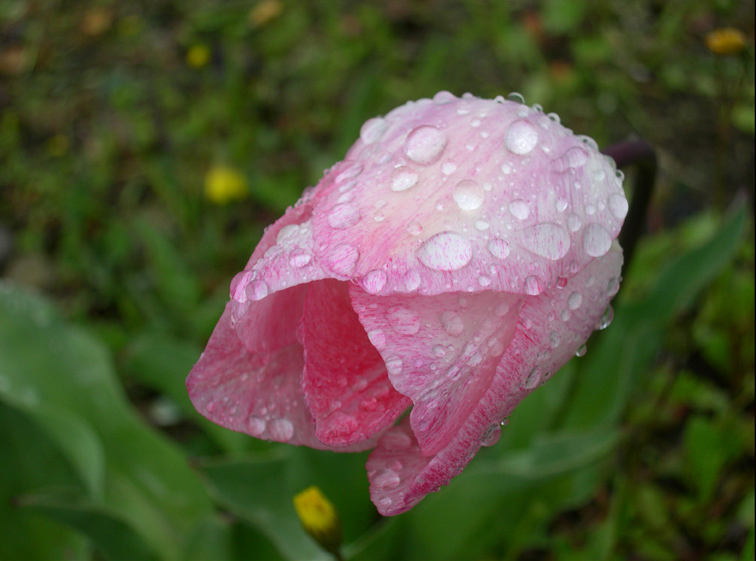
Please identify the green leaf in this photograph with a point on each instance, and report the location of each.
(32, 459)
(114, 537)
(54, 367)
(261, 490)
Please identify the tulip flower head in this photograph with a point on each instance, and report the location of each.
(462, 252)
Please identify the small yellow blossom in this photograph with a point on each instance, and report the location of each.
(319, 518)
(198, 56)
(726, 41)
(224, 184)
(265, 11)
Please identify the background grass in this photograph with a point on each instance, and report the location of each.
(115, 115)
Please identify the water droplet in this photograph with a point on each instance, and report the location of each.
(377, 338)
(482, 225)
(403, 178)
(618, 206)
(281, 430)
(574, 300)
(448, 167)
(516, 97)
(360, 385)
(491, 436)
(521, 137)
(501, 309)
(387, 479)
(343, 216)
(547, 240)
(498, 248)
(443, 97)
(573, 158)
(561, 205)
(554, 340)
(403, 320)
(256, 290)
(565, 315)
(414, 228)
(468, 195)
(532, 286)
(299, 258)
(590, 209)
(395, 441)
(439, 350)
(534, 378)
(596, 240)
(372, 130)
(374, 281)
(483, 280)
(412, 281)
(446, 251)
(606, 318)
(519, 209)
(350, 171)
(385, 502)
(394, 365)
(581, 351)
(343, 259)
(425, 144)
(255, 426)
(573, 222)
(612, 287)
(452, 323)
(287, 234)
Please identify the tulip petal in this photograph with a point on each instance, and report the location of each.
(456, 195)
(553, 326)
(441, 351)
(256, 393)
(345, 381)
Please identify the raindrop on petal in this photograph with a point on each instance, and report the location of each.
(281, 430)
(403, 320)
(606, 318)
(256, 290)
(581, 351)
(425, 144)
(446, 251)
(498, 248)
(377, 338)
(521, 137)
(403, 178)
(299, 258)
(574, 300)
(468, 195)
(534, 378)
(596, 240)
(343, 259)
(491, 435)
(373, 130)
(546, 240)
(452, 323)
(343, 216)
(374, 281)
(519, 209)
(618, 206)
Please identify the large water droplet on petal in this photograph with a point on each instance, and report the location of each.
(343, 216)
(534, 378)
(299, 258)
(394, 365)
(343, 259)
(256, 426)
(575, 157)
(374, 281)
(532, 286)
(521, 137)
(387, 479)
(403, 178)
(491, 435)
(281, 430)
(573, 222)
(377, 338)
(519, 209)
(596, 240)
(443, 97)
(425, 144)
(446, 251)
(403, 320)
(256, 290)
(498, 248)
(373, 130)
(574, 300)
(606, 318)
(287, 234)
(452, 322)
(618, 206)
(468, 195)
(547, 240)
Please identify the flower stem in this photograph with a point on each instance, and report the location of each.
(641, 154)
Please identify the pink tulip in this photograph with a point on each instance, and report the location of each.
(462, 252)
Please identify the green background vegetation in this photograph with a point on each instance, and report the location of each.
(116, 266)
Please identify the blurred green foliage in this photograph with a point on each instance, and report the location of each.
(114, 114)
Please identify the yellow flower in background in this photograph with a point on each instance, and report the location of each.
(726, 41)
(198, 56)
(319, 518)
(224, 184)
(265, 11)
